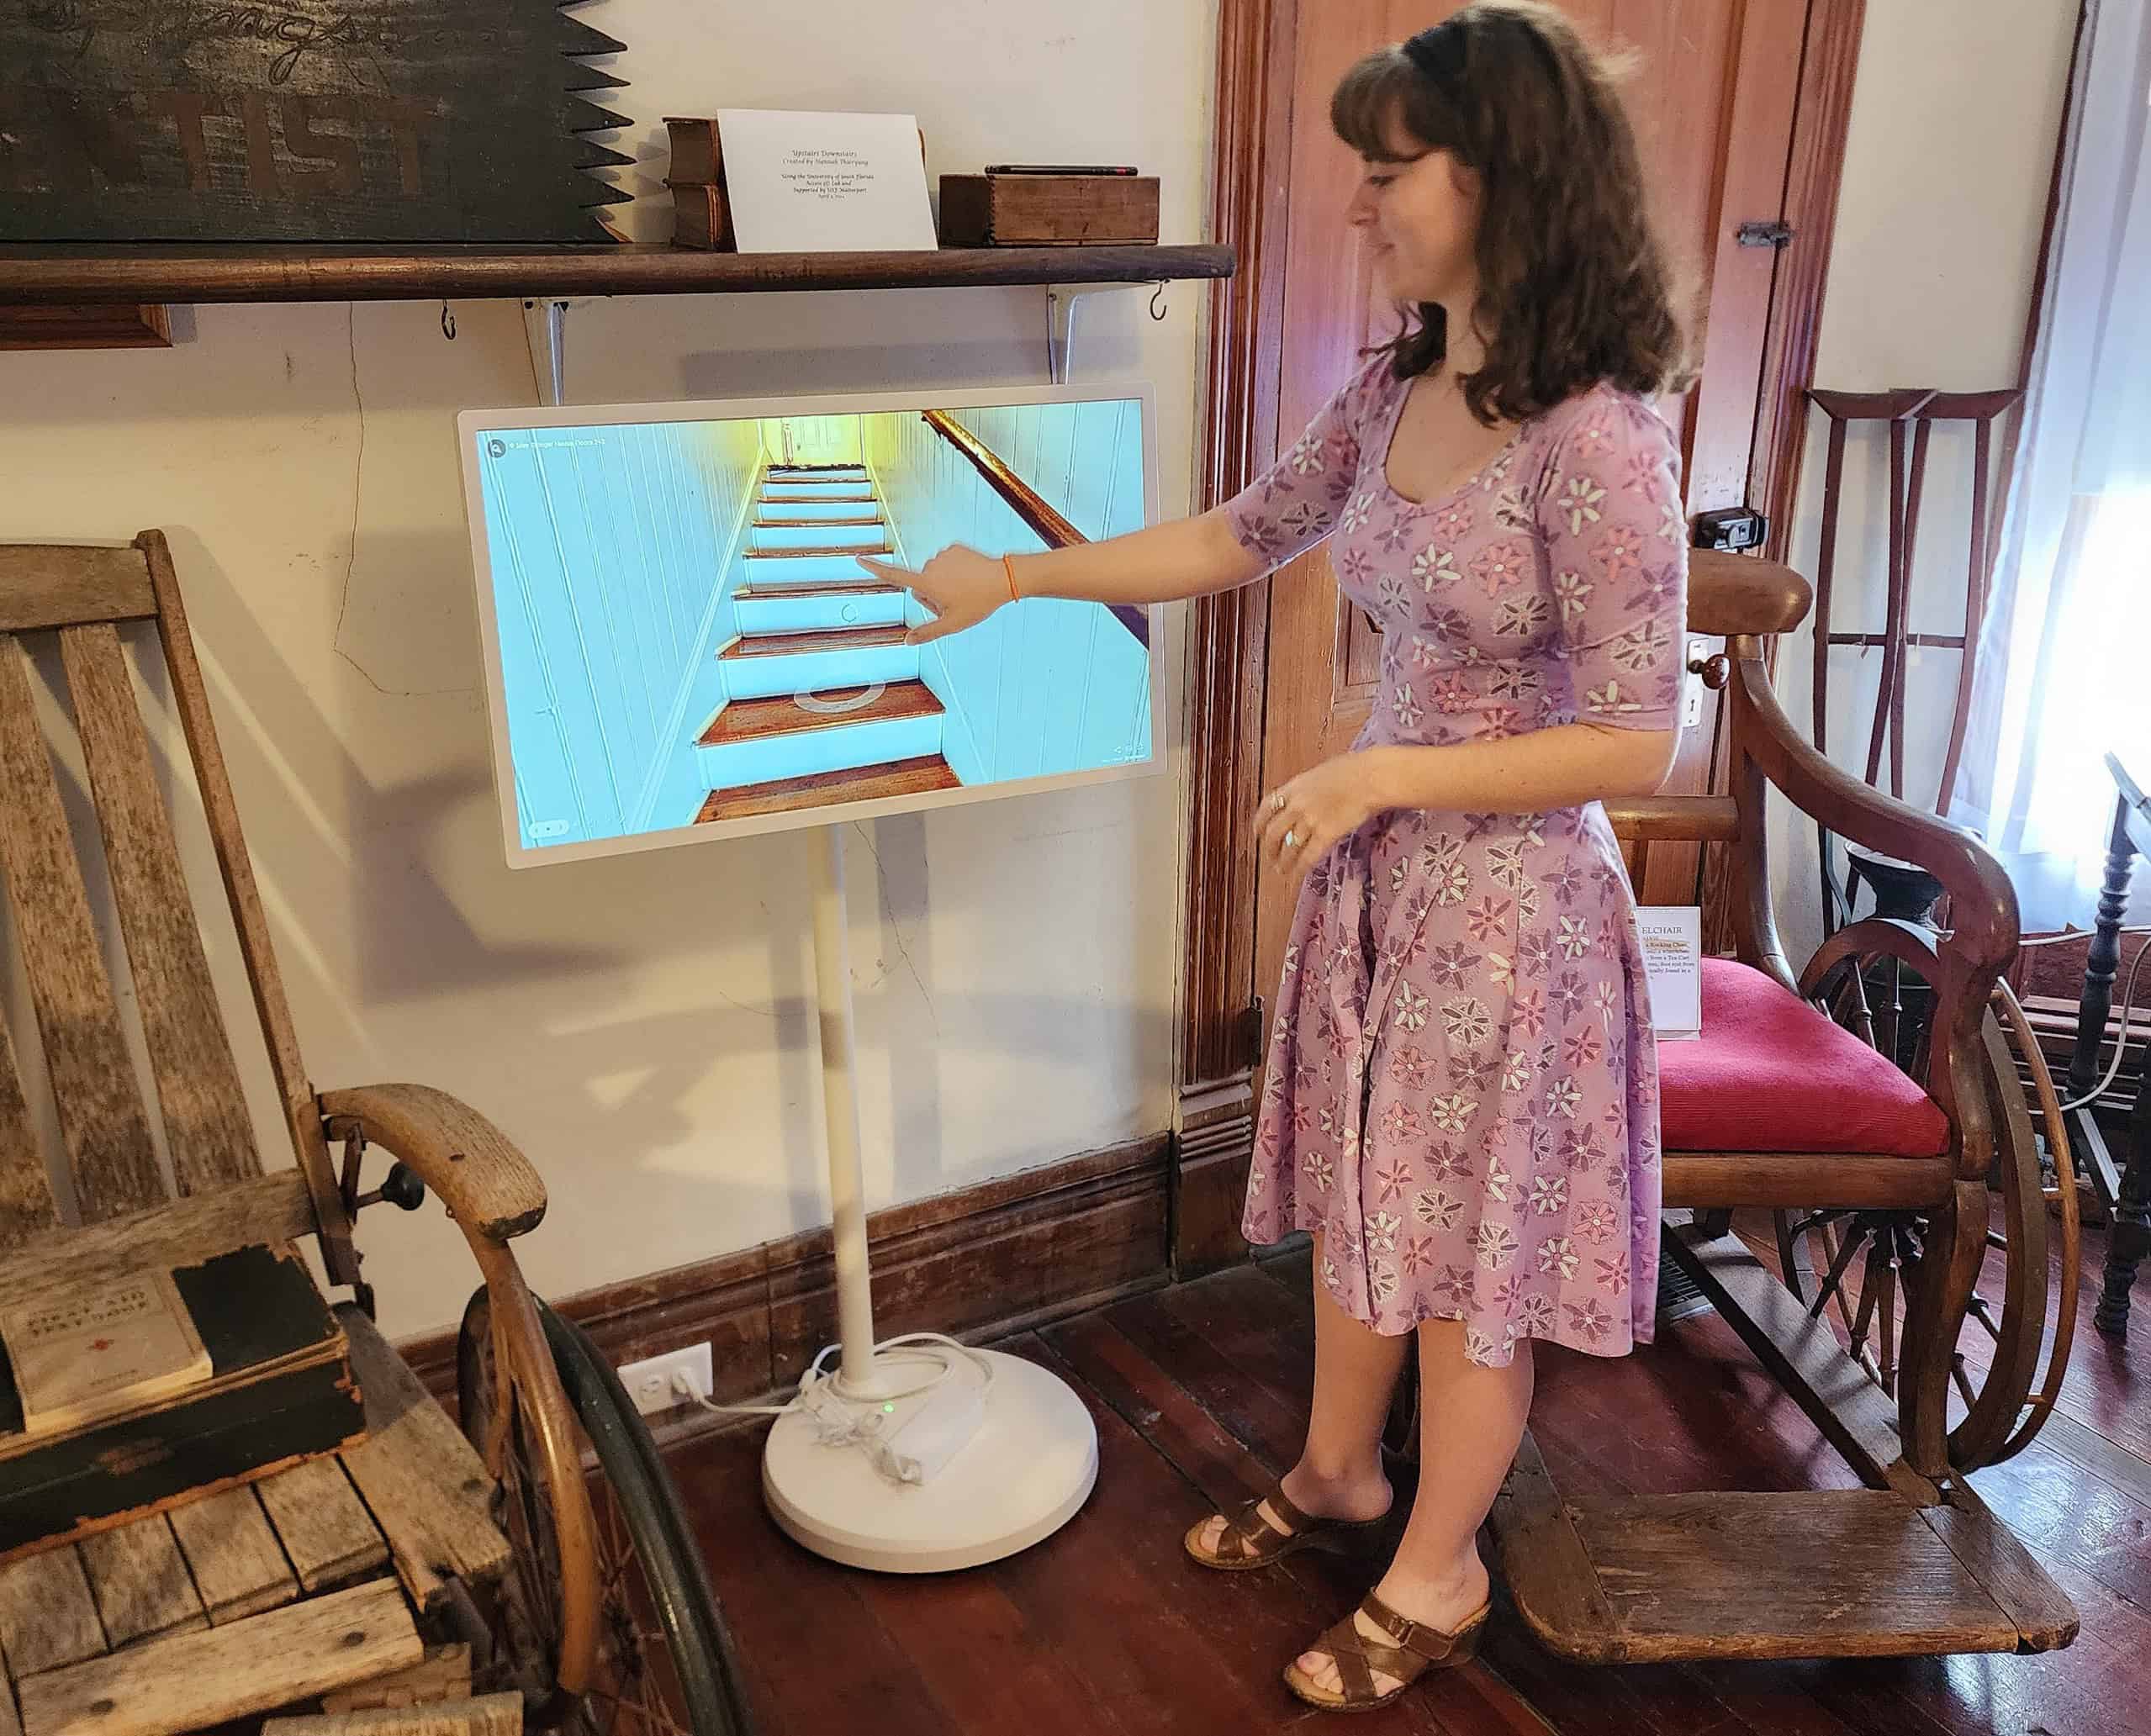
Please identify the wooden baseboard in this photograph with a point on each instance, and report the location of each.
(1005, 1255)
(1216, 1144)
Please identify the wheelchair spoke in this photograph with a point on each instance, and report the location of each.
(1865, 1317)
(1833, 1283)
(1886, 1317)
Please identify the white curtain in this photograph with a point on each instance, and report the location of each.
(2065, 669)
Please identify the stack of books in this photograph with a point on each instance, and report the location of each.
(124, 1391)
(700, 216)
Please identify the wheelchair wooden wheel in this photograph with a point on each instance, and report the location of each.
(1859, 1268)
(623, 1570)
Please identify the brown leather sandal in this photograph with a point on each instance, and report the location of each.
(1417, 1649)
(1250, 1540)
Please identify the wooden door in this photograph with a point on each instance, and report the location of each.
(1712, 96)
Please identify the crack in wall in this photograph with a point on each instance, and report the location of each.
(350, 560)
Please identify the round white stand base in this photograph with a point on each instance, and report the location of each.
(1022, 1476)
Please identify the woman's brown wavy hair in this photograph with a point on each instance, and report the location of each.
(1573, 285)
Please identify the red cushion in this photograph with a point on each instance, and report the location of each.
(1770, 1073)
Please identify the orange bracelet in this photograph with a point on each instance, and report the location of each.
(1008, 566)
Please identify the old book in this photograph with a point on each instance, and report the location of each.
(701, 218)
(696, 155)
(81, 1354)
(1048, 210)
(279, 1389)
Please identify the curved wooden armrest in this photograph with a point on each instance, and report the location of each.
(1982, 903)
(487, 1185)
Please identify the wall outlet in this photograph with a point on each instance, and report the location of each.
(649, 1383)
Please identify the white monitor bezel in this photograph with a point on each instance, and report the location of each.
(472, 423)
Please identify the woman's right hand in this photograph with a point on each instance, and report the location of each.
(961, 586)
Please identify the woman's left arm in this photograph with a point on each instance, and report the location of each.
(1560, 768)
(1608, 517)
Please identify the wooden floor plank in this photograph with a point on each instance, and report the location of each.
(1118, 1569)
(1227, 1473)
(1198, 1395)
(838, 1671)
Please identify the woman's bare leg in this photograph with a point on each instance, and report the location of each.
(1471, 1422)
(1340, 1474)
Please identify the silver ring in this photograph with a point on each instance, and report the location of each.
(1292, 839)
(1277, 802)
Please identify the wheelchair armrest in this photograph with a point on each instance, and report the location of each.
(1673, 819)
(1982, 902)
(487, 1185)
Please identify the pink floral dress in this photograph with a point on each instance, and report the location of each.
(1462, 1087)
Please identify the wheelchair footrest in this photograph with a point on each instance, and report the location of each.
(1802, 1574)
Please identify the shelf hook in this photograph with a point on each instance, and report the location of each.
(1158, 308)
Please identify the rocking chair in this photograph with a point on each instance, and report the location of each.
(1900, 1159)
(469, 1577)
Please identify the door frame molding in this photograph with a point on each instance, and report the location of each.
(1220, 1039)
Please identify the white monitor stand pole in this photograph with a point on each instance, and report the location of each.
(1031, 1465)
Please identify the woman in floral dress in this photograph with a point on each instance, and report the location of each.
(1461, 1094)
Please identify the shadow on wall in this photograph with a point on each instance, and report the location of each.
(361, 918)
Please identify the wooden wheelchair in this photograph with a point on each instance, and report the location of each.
(1906, 1176)
(421, 1578)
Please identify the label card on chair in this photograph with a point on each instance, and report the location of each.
(1672, 960)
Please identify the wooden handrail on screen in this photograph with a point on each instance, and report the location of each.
(1032, 508)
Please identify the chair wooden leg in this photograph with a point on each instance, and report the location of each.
(2131, 1234)
(1954, 1247)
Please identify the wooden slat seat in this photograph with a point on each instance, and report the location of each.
(186, 1681)
(302, 1579)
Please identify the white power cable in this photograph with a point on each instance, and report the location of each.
(2127, 1006)
(842, 1420)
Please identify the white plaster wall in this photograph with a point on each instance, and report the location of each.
(1946, 166)
(642, 1025)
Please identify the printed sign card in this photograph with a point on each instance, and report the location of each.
(1673, 961)
(825, 183)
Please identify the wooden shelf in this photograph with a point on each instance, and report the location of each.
(34, 275)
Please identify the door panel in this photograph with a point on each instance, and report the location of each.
(1712, 109)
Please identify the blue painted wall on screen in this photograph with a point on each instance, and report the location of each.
(1043, 687)
(610, 550)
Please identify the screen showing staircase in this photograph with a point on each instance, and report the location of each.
(681, 642)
